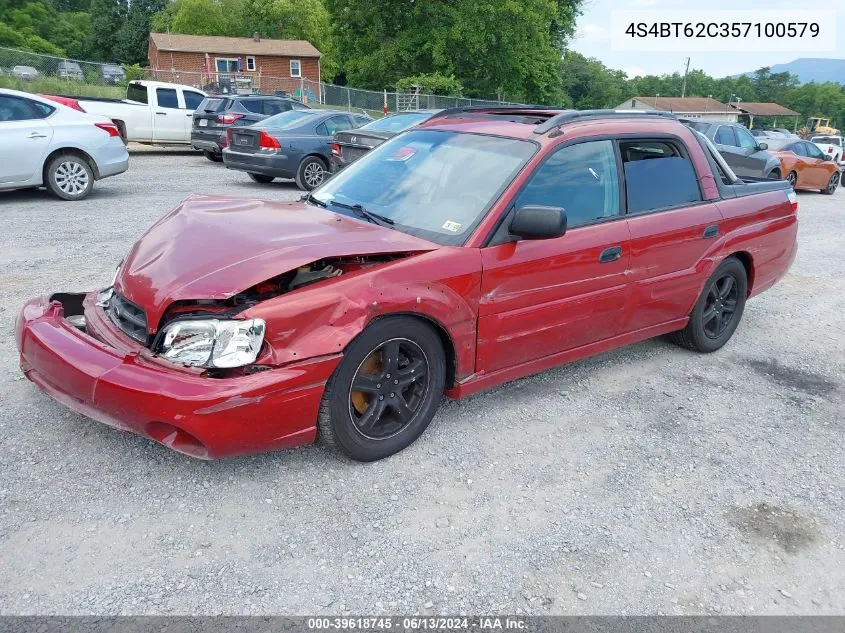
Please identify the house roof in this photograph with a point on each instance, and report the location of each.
(178, 42)
(764, 109)
(684, 104)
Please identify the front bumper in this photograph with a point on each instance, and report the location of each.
(106, 376)
(277, 165)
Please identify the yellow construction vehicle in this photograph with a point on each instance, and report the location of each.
(817, 126)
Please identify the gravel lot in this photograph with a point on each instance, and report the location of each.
(647, 480)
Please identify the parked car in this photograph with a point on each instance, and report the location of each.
(746, 155)
(295, 144)
(216, 114)
(758, 133)
(50, 145)
(350, 145)
(27, 73)
(832, 145)
(154, 112)
(69, 70)
(464, 253)
(805, 166)
(112, 74)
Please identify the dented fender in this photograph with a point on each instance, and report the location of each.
(441, 286)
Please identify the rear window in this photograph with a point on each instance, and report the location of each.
(288, 120)
(136, 92)
(398, 122)
(253, 105)
(211, 104)
(698, 126)
(658, 175)
(830, 140)
(275, 106)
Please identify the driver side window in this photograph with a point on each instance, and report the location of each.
(581, 178)
(813, 151)
(746, 141)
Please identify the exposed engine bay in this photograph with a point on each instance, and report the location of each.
(289, 281)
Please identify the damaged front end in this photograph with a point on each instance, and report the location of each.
(212, 334)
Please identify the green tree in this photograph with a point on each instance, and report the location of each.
(107, 17)
(132, 40)
(509, 48)
(200, 17)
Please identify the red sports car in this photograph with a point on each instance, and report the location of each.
(485, 245)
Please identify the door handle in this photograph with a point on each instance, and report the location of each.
(610, 254)
(161, 113)
(190, 114)
(711, 232)
(37, 135)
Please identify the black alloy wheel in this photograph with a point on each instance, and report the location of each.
(720, 306)
(792, 179)
(831, 185)
(718, 311)
(388, 389)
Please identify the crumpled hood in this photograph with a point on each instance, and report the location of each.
(211, 247)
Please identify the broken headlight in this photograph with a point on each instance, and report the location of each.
(212, 342)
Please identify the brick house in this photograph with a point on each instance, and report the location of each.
(242, 64)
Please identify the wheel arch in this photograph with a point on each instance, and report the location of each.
(439, 328)
(69, 150)
(747, 262)
(314, 155)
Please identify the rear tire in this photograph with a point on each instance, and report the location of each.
(718, 310)
(312, 173)
(214, 157)
(399, 365)
(69, 177)
(262, 178)
(831, 185)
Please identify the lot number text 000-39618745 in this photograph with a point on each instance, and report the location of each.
(735, 30)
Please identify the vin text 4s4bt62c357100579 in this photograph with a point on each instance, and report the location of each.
(483, 245)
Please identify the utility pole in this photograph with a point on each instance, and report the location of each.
(684, 87)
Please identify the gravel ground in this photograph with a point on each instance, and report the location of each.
(647, 480)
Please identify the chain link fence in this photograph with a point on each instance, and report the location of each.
(35, 72)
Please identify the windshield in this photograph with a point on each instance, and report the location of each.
(398, 122)
(434, 184)
(287, 120)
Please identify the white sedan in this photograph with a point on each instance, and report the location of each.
(46, 144)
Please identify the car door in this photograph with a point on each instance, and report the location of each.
(191, 100)
(542, 297)
(819, 170)
(672, 230)
(26, 135)
(801, 166)
(728, 145)
(168, 118)
(751, 155)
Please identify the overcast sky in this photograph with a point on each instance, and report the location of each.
(593, 38)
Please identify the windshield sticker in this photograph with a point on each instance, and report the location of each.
(454, 227)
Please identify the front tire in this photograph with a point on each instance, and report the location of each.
(718, 310)
(792, 179)
(262, 178)
(385, 391)
(69, 177)
(312, 172)
(831, 185)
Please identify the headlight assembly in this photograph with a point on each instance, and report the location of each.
(212, 342)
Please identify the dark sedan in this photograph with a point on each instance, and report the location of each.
(295, 144)
(217, 114)
(350, 146)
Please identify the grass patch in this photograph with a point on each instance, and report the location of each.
(56, 86)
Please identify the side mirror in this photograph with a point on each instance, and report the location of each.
(536, 222)
(762, 146)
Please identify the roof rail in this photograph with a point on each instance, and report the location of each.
(501, 109)
(575, 115)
